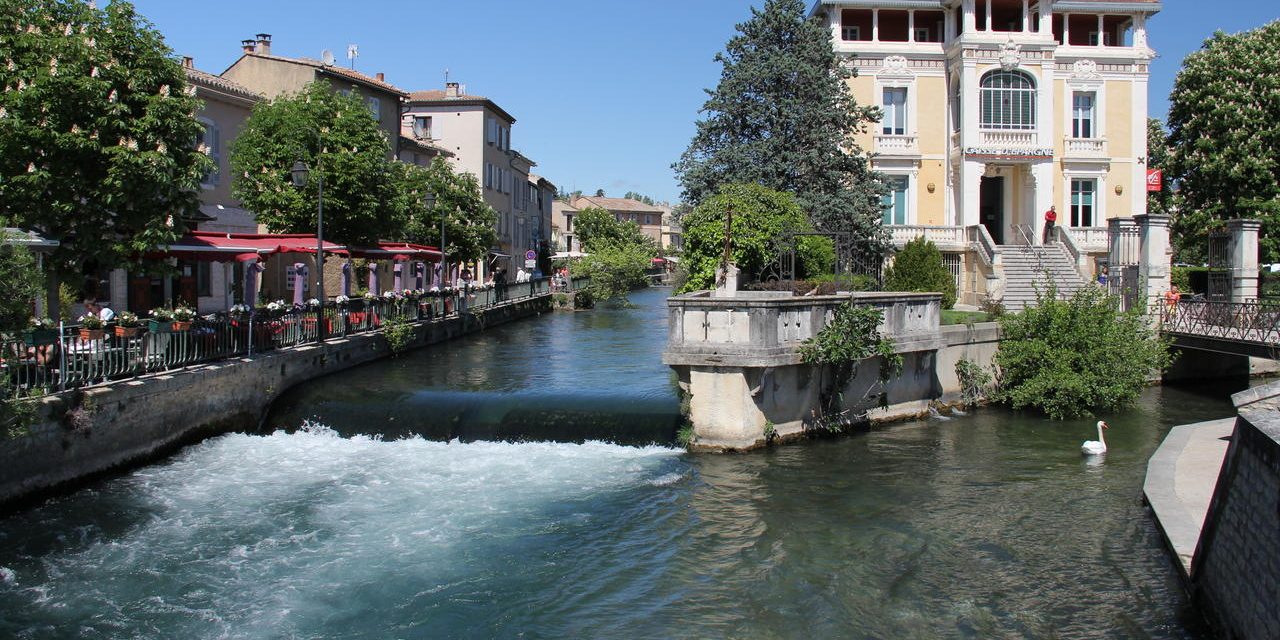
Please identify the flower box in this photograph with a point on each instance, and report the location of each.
(181, 325)
(92, 334)
(128, 332)
(39, 337)
(160, 326)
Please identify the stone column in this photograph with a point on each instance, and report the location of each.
(971, 172)
(1244, 259)
(1153, 256)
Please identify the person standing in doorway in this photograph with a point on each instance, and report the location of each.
(1050, 219)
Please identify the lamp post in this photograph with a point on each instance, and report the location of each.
(300, 172)
(444, 263)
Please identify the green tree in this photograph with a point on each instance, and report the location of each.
(338, 138)
(597, 227)
(20, 281)
(919, 267)
(469, 221)
(96, 133)
(1224, 136)
(762, 218)
(782, 116)
(1070, 358)
(614, 268)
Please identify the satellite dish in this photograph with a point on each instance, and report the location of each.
(326, 57)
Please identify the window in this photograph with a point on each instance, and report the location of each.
(1106, 39)
(1082, 115)
(922, 34)
(1083, 194)
(1008, 101)
(375, 107)
(422, 126)
(209, 141)
(491, 131)
(850, 33)
(204, 279)
(895, 202)
(895, 111)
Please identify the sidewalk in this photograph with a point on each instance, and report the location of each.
(1181, 477)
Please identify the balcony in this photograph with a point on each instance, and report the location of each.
(946, 238)
(893, 145)
(1086, 148)
(1007, 139)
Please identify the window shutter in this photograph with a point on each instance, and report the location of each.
(437, 127)
(216, 146)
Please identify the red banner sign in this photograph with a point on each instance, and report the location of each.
(1155, 179)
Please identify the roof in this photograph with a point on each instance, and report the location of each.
(15, 236)
(424, 145)
(331, 70)
(437, 97)
(533, 177)
(615, 204)
(1146, 6)
(219, 83)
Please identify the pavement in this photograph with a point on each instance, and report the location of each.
(1181, 477)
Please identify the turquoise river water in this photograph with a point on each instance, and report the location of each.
(522, 483)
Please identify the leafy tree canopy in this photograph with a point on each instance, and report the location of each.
(762, 218)
(783, 117)
(615, 269)
(597, 227)
(469, 221)
(1224, 137)
(97, 131)
(21, 282)
(338, 138)
(1071, 358)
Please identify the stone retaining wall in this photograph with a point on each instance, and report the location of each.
(1235, 573)
(99, 429)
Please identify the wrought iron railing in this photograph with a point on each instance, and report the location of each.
(40, 362)
(1252, 322)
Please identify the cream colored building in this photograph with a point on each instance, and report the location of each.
(995, 110)
(478, 134)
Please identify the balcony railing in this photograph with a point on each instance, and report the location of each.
(42, 362)
(947, 238)
(1007, 138)
(1086, 147)
(897, 145)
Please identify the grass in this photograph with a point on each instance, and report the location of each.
(951, 316)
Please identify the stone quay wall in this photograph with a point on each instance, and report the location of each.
(736, 359)
(1235, 573)
(81, 434)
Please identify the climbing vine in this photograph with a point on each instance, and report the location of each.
(852, 335)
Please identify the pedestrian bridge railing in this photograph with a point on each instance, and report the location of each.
(37, 362)
(1255, 323)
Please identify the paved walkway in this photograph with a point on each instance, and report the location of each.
(1180, 480)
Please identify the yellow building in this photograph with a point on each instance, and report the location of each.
(995, 110)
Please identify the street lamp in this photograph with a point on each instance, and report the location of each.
(444, 263)
(300, 172)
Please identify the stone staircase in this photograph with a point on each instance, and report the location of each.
(1022, 273)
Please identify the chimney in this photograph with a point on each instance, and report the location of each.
(247, 45)
(382, 77)
(264, 44)
(451, 90)
(188, 62)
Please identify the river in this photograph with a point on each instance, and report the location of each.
(432, 496)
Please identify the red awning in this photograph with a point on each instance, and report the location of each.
(397, 251)
(216, 246)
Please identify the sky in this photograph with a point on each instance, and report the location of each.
(605, 94)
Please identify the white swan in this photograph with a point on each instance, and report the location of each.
(1096, 447)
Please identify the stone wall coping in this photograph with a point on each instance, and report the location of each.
(1257, 394)
(703, 299)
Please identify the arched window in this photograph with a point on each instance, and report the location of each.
(1008, 101)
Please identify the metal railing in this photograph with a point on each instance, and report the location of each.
(1251, 322)
(38, 362)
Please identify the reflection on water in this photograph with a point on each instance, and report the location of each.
(989, 525)
(568, 377)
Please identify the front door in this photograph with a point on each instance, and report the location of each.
(991, 207)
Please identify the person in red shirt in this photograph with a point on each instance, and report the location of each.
(1050, 219)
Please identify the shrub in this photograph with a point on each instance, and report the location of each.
(852, 336)
(1071, 358)
(919, 267)
(398, 332)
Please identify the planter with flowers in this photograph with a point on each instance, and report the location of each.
(40, 333)
(91, 327)
(182, 318)
(127, 325)
(161, 321)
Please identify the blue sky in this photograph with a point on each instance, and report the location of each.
(605, 93)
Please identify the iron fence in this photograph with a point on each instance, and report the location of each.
(38, 362)
(1252, 322)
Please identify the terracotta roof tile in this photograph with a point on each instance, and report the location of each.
(198, 77)
(615, 204)
(337, 71)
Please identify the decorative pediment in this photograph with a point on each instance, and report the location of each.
(1084, 70)
(896, 66)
